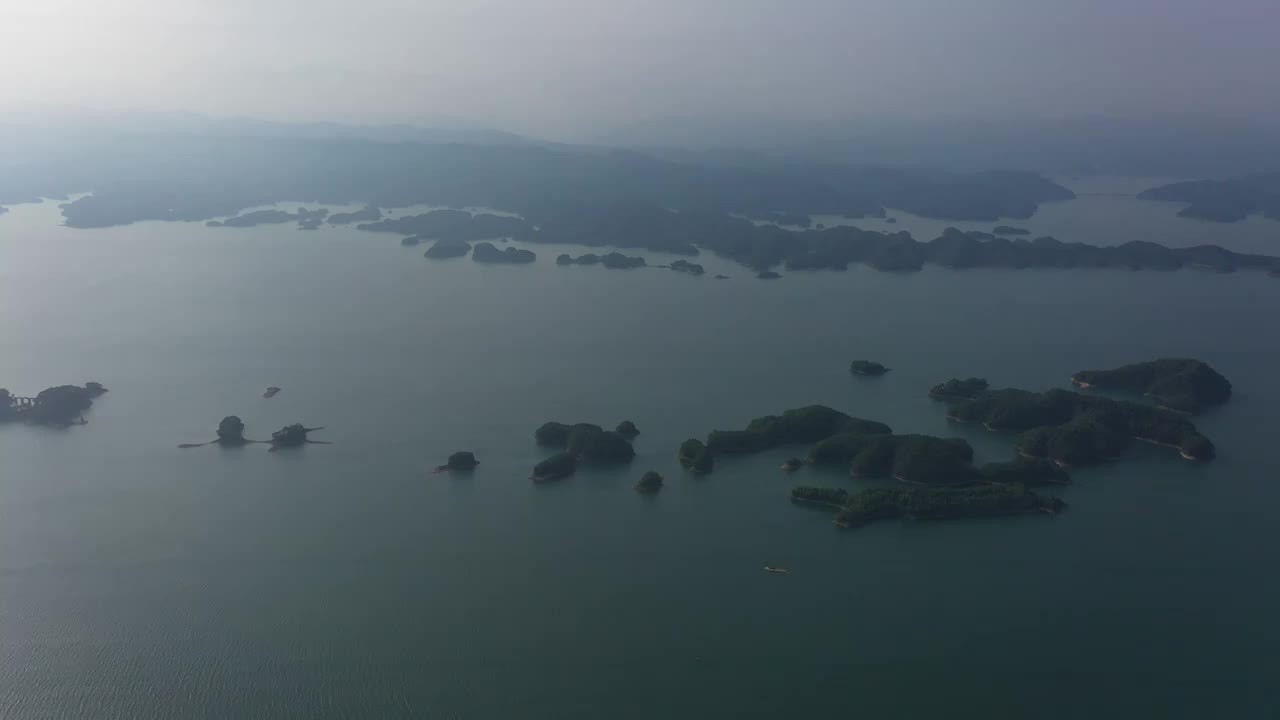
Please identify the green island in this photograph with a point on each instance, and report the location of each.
(306, 219)
(581, 441)
(59, 406)
(627, 429)
(694, 455)
(793, 427)
(486, 252)
(230, 434)
(768, 275)
(1072, 428)
(956, 389)
(613, 260)
(687, 267)
(1176, 383)
(560, 465)
(461, 461)
(854, 510)
(912, 458)
(1224, 201)
(293, 436)
(444, 249)
(650, 483)
(867, 367)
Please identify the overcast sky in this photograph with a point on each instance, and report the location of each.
(569, 69)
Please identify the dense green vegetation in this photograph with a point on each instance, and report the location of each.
(291, 435)
(457, 225)
(955, 388)
(695, 456)
(366, 214)
(915, 458)
(875, 504)
(628, 429)
(802, 425)
(560, 465)
(685, 266)
(231, 431)
(823, 497)
(443, 249)
(650, 482)
(1178, 383)
(307, 219)
(1223, 200)
(586, 442)
(1074, 428)
(61, 406)
(461, 460)
(613, 260)
(867, 367)
(489, 253)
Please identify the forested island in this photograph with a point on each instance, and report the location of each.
(59, 406)
(1176, 383)
(854, 510)
(583, 442)
(867, 367)
(1075, 429)
(765, 248)
(650, 483)
(485, 252)
(613, 260)
(1224, 201)
(306, 219)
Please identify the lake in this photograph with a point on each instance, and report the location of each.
(345, 580)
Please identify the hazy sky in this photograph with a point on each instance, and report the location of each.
(570, 68)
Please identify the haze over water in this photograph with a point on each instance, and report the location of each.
(137, 579)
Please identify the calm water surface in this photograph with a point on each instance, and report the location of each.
(140, 580)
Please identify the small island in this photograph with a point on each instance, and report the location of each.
(582, 441)
(230, 434)
(1177, 383)
(694, 455)
(294, 436)
(855, 510)
(650, 483)
(627, 429)
(792, 464)
(687, 267)
(445, 249)
(231, 431)
(867, 368)
(613, 261)
(461, 461)
(556, 467)
(1071, 428)
(768, 275)
(411, 241)
(487, 252)
(270, 392)
(957, 389)
(793, 427)
(60, 406)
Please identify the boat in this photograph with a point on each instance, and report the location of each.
(781, 571)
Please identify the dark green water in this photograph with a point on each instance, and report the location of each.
(139, 580)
